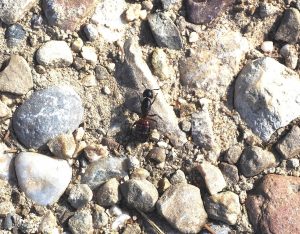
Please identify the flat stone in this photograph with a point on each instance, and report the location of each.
(230, 173)
(165, 32)
(234, 153)
(42, 178)
(254, 160)
(140, 194)
(47, 114)
(273, 205)
(16, 77)
(108, 194)
(6, 165)
(81, 222)
(188, 214)
(55, 54)
(80, 195)
(289, 29)
(289, 145)
(267, 96)
(213, 177)
(68, 15)
(12, 11)
(224, 207)
(104, 169)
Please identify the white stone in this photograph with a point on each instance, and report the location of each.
(4, 110)
(54, 53)
(43, 179)
(5, 162)
(89, 81)
(194, 37)
(89, 54)
(267, 46)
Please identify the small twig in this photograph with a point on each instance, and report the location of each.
(209, 229)
(157, 229)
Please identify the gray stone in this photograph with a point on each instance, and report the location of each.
(292, 163)
(48, 223)
(80, 195)
(165, 32)
(14, 35)
(233, 154)
(63, 146)
(289, 145)
(290, 55)
(171, 4)
(230, 173)
(267, 96)
(13, 10)
(47, 114)
(289, 29)
(267, 9)
(104, 169)
(157, 154)
(55, 54)
(218, 228)
(42, 178)
(81, 222)
(16, 77)
(132, 229)
(91, 32)
(100, 218)
(8, 222)
(162, 66)
(140, 194)
(224, 207)
(178, 177)
(108, 194)
(254, 160)
(181, 205)
(6, 165)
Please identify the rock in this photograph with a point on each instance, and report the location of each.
(140, 173)
(91, 32)
(212, 176)
(202, 130)
(55, 54)
(89, 81)
(77, 45)
(48, 224)
(5, 111)
(178, 177)
(6, 208)
(89, 54)
(185, 126)
(157, 154)
(171, 4)
(108, 194)
(139, 194)
(80, 195)
(188, 214)
(272, 207)
(63, 146)
(16, 76)
(36, 21)
(140, 74)
(6, 165)
(267, 46)
(47, 114)
(81, 222)
(215, 63)
(234, 153)
(290, 55)
(12, 11)
(68, 15)
(289, 145)
(42, 178)
(14, 35)
(132, 229)
(100, 218)
(292, 163)
(8, 222)
(224, 206)
(94, 152)
(267, 9)
(104, 169)
(161, 65)
(133, 12)
(202, 12)
(165, 32)
(289, 29)
(230, 173)
(193, 37)
(5, 191)
(267, 96)
(254, 160)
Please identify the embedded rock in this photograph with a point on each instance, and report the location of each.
(289, 145)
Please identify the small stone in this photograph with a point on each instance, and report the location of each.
(290, 55)
(47, 114)
(154, 135)
(132, 229)
(106, 90)
(143, 15)
(289, 145)
(230, 173)
(55, 54)
(108, 194)
(42, 178)
(91, 32)
(5, 191)
(292, 163)
(89, 54)
(133, 12)
(171, 4)
(254, 160)
(40, 69)
(36, 21)
(8, 222)
(140, 173)
(95, 152)
(101, 73)
(157, 154)
(62, 146)
(81, 222)
(161, 65)
(79, 63)
(148, 5)
(234, 153)
(48, 224)
(224, 207)
(100, 218)
(80, 195)
(4, 111)
(6, 165)
(213, 177)
(6, 208)
(16, 76)
(289, 29)
(192, 215)
(267, 46)
(140, 194)
(14, 35)
(163, 184)
(267, 9)
(77, 45)
(193, 37)
(165, 32)
(178, 177)
(89, 81)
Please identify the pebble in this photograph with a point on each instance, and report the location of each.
(100, 218)
(273, 104)
(101, 73)
(132, 229)
(89, 81)
(186, 126)
(81, 222)
(80, 195)
(6, 208)
(178, 177)
(62, 146)
(187, 215)
(230, 173)
(171, 4)
(42, 178)
(289, 28)
(14, 35)
(157, 154)
(289, 145)
(140, 173)
(16, 77)
(91, 32)
(193, 37)
(36, 21)
(12, 11)
(106, 90)
(5, 111)
(133, 12)
(213, 177)
(6, 167)
(254, 160)
(140, 194)
(292, 163)
(47, 114)
(267, 9)
(48, 223)
(267, 46)
(108, 194)
(290, 55)
(89, 54)
(8, 222)
(224, 207)
(77, 45)
(5, 191)
(95, 152)
(79, 63)
(165, 32)
(104, 169)
(234, 153)
(161, 65)
(68, 15)
(163, 185)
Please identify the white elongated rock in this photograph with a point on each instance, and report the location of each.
(267, 96)
(5, 162)
(42, 178)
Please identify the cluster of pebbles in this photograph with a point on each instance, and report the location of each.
(223, 156)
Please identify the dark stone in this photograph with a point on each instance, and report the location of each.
(14, 35)
(230, 173)
(289, 146)
(36, 21)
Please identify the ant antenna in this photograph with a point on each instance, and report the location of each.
(148, 88)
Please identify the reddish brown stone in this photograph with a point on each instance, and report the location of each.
(274, 207)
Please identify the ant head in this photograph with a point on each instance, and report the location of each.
(148, 93)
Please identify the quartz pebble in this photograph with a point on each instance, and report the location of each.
(140, 173)
(62, 146)
(91, 32)
(95, 152)
(80, 195)
(108, 194)
(89, 81)
(267, 46)
(193, 37)
(133, 12)
(6, 208)
(289, 145)
(89, 54)
(81, 222)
